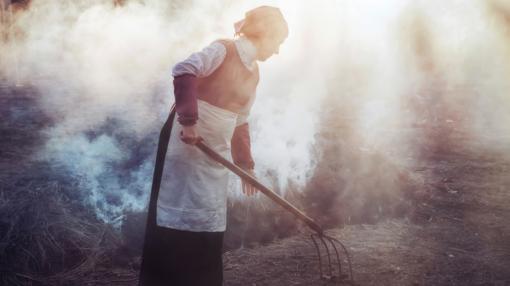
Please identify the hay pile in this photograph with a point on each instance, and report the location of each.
(46, 238)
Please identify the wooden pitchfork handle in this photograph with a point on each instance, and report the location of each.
(265, 190)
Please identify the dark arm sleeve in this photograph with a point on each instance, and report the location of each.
(185, 92)
(241, 147)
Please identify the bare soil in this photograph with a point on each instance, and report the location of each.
(458, 235)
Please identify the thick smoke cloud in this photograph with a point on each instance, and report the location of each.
(103, 72)
(348, 85)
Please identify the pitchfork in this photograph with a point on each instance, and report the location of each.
(319, 238)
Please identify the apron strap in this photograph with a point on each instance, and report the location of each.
(164, 138)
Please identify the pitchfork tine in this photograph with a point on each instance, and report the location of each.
(318, 252)
(337, 256)
(329, 255)
(351, 278)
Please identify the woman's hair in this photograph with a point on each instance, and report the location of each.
(263, 22)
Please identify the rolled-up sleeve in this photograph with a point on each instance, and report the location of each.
(199, 64)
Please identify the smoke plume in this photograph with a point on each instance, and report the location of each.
(336, 110)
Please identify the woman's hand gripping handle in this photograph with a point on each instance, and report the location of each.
(189, 135)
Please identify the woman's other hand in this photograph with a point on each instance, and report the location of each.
(189, 135)
(248, 189)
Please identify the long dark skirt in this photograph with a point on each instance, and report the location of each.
(182, 258)
(175, 257)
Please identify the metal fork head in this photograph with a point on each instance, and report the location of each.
(327, 242)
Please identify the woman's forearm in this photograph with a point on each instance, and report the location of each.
(185, 92)
(241, 147)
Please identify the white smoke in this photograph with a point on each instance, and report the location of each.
(103, 72)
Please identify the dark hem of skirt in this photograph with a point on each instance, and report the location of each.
(182, 258)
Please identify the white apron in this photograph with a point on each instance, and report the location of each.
(193, 193)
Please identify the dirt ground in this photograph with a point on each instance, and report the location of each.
(458, 233)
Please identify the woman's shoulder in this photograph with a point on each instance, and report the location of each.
(225, 42)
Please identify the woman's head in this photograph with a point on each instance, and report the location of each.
(266, 28)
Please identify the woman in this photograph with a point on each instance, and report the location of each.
(214, 90)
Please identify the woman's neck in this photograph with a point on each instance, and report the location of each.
(247, 51)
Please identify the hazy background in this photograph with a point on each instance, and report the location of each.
(336, 110)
